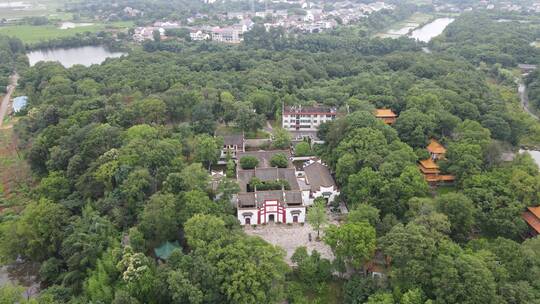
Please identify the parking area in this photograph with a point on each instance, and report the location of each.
(290, 237)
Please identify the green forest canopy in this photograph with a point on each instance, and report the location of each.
(121, 149)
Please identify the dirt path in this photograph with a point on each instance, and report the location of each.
(5, 101)
(524, 98)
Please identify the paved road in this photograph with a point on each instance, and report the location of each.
(522, 90)
(5, 102)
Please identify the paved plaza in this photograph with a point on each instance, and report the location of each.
(290, 237)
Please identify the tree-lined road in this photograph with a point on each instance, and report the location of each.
(5, 101)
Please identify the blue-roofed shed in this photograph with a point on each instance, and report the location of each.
(19, 103)
(164, 251)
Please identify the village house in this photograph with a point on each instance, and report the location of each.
(279, 202)
(141, 34)
(386, 115)
(429, 167)
(245, 24)
(532, 217)
(232, 145)
(167, 24)
(316, 181)
(527, 68)
(230, 34)
(198, 35)
(236, 15)
(129, 11)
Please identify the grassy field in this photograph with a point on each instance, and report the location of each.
(33, 34)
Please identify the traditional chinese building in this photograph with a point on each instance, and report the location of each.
(232, 145)
(432, 173)
(430, 168)
(386, 115)
(316, 181)
(436, 150)
(532, 217)
(279, 202)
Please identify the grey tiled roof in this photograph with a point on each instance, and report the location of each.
(265, 156)
(257, 199)
(318, 175)
(233, 140)
(267, 174)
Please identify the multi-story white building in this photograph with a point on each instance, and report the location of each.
(299, 118)
(231, 34)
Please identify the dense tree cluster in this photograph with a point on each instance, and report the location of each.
(123, 150)
(491, 38)
(533, 88)
(11, 56)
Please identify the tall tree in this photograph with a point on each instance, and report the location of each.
(353, 243)
(316, 216)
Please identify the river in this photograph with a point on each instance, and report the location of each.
(68, 57)
(430, 30)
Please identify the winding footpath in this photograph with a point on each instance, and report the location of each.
(5, 101)
(522, 90)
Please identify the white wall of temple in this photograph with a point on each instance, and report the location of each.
(299, 212)
(308, 201)
(243, 214)
(327, 192)
(250, 216)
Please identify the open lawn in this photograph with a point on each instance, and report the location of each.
(32, 34)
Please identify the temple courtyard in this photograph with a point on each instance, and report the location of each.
(290, 237)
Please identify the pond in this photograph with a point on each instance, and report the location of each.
(68, 57)
(432, 29)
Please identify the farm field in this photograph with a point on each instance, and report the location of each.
(402, 28)
(33, 34)
(33, 8)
